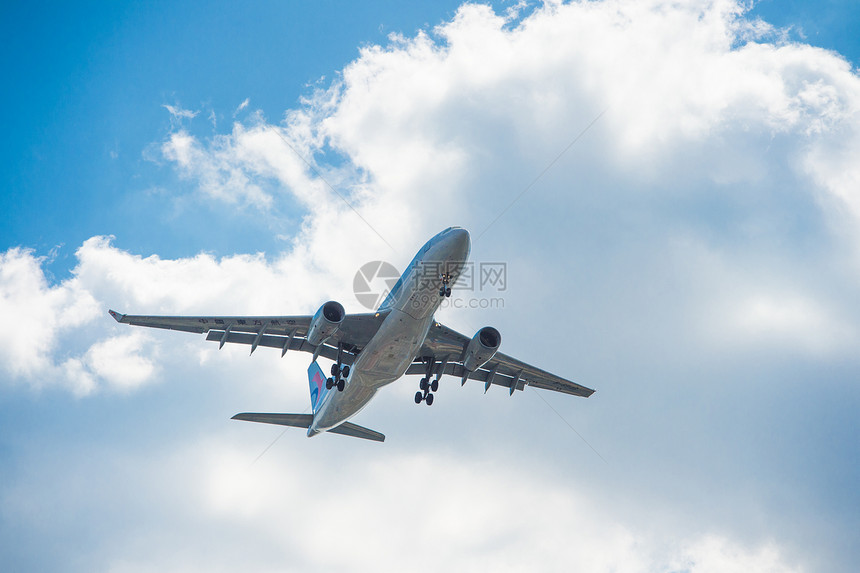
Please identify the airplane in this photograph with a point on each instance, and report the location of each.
(372, 350)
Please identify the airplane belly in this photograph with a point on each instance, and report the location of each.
(344, 405)
(382, 361)
(393, 348)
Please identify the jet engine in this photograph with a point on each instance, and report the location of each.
(325, 322)
(481, 348)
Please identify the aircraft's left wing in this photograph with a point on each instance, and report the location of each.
(446, 347)
(281, 332)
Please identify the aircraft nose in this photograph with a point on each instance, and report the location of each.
(460, 237)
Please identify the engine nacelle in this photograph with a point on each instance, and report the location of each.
(325, 322)
(481, 348)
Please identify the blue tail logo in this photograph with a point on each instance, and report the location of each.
(316, 379)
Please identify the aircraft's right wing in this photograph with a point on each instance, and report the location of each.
(281, 332)
(447, 348)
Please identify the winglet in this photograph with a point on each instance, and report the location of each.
(117, 316)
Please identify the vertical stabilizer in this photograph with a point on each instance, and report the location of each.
(316, 379)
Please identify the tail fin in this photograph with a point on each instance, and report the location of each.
(316, 379)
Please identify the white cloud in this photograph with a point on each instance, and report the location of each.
(712, 554)
(36, 313)
(217, 179)
(79, 378)
(179, 113)
(777, 318)
(486, 516)
(46, 317)
(119, 361)
(242, 106)
(218, 513)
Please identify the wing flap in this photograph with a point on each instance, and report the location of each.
(481, 374)
(275, 341)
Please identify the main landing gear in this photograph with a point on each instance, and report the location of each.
(339, 372)
(427, 386)
(445, 290)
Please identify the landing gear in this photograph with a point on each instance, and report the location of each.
(426, 384)
(339, 372)
(424, 394)
(445, 289)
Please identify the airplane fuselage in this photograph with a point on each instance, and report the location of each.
(410, 309)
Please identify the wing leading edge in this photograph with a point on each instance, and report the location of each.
(281, 332)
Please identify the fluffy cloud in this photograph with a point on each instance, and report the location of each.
(468, 511)
(37, 351)
(37, 313)
(475, 515)
(119, 360)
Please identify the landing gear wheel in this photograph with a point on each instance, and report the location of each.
(423, 384)
(418, 397)
(334, 369)
(434, 385)
(445, 290)
(345, 372)
(429, 399)
(329, 383)
(341, 385)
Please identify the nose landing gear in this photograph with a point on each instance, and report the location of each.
(445, 289)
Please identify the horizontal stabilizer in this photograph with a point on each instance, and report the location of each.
(294, 420)
(356, 431)
(305, 421)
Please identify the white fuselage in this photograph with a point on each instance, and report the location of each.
(410, 307)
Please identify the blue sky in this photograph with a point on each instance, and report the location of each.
(91, 82)
(693, 256)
